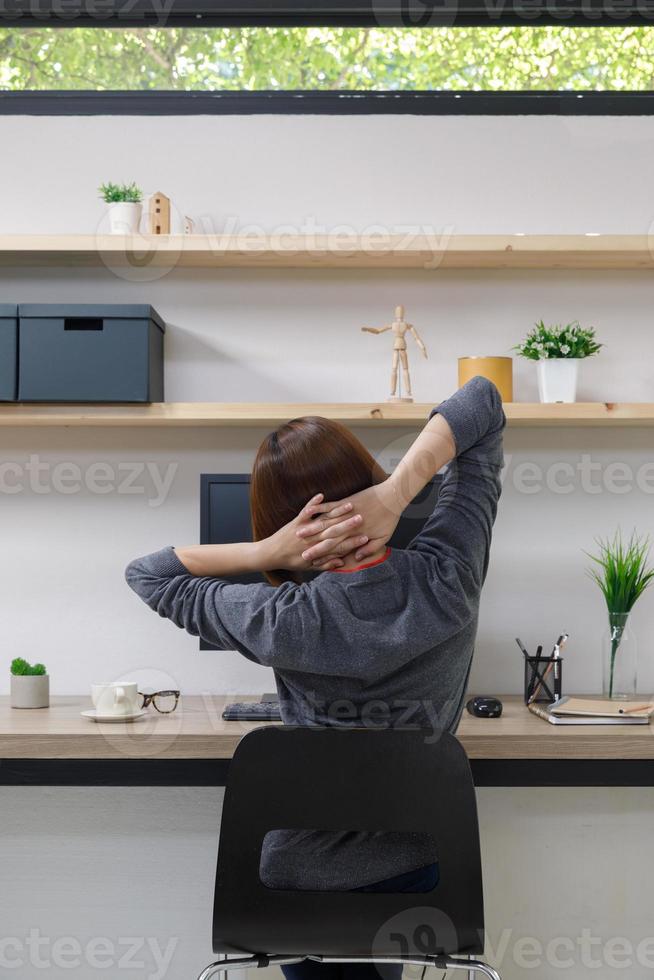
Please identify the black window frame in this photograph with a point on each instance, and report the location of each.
(69, 14)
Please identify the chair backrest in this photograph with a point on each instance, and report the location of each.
(349, 779)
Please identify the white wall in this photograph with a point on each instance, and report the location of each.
(480, 174)
(134, 867)
(293, 336)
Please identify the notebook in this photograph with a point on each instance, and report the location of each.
(603, 708)
(572, 716)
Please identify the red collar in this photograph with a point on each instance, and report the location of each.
(359, 568)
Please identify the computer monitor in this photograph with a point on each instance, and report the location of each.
(225, 516)
(225, 513)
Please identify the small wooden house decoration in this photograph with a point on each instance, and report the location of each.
(159, 214)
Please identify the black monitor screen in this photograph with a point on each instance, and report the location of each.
(225, 516)
(225, 513)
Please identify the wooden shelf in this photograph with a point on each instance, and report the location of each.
(174, 414)
(587, 251)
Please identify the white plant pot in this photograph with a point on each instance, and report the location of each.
(124, 218)
(30, 690)
(557, 379)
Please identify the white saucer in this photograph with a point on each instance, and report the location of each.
(94, 716)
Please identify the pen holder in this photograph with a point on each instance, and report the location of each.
(543, 677)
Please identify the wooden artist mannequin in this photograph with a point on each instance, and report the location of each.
(400, 328)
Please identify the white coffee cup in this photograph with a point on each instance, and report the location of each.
(120, 698)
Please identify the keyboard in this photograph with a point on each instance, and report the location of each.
(252, 711)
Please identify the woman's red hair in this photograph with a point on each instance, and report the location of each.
(304, 457)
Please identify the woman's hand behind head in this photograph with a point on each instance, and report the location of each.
(381, 505)
(329, 537)
(283, 549)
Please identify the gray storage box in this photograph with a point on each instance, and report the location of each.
(8, 351)
(80, 353)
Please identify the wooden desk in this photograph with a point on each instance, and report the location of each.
(193, 746)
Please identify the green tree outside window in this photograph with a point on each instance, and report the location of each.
(374, 59)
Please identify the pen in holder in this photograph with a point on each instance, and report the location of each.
(543, 676)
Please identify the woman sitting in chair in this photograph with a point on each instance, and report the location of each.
(383, 637)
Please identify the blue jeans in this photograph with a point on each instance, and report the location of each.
(422, 880)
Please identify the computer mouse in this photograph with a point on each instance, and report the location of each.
(485, 707)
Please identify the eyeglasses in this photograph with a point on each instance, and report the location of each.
(162, 701)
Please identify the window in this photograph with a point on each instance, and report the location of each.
(255, 59)
(159, 56)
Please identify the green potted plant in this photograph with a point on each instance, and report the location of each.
(558, 352)
(620, 569)
(125, 207)
(30, 685)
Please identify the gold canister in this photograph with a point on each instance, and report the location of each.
(499, 370)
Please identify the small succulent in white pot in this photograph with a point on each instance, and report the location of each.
(30, 685)
(558, 351)
(125, 207)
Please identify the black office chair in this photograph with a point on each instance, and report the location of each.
(348, 779)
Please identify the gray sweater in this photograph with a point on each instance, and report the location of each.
(391, 643)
